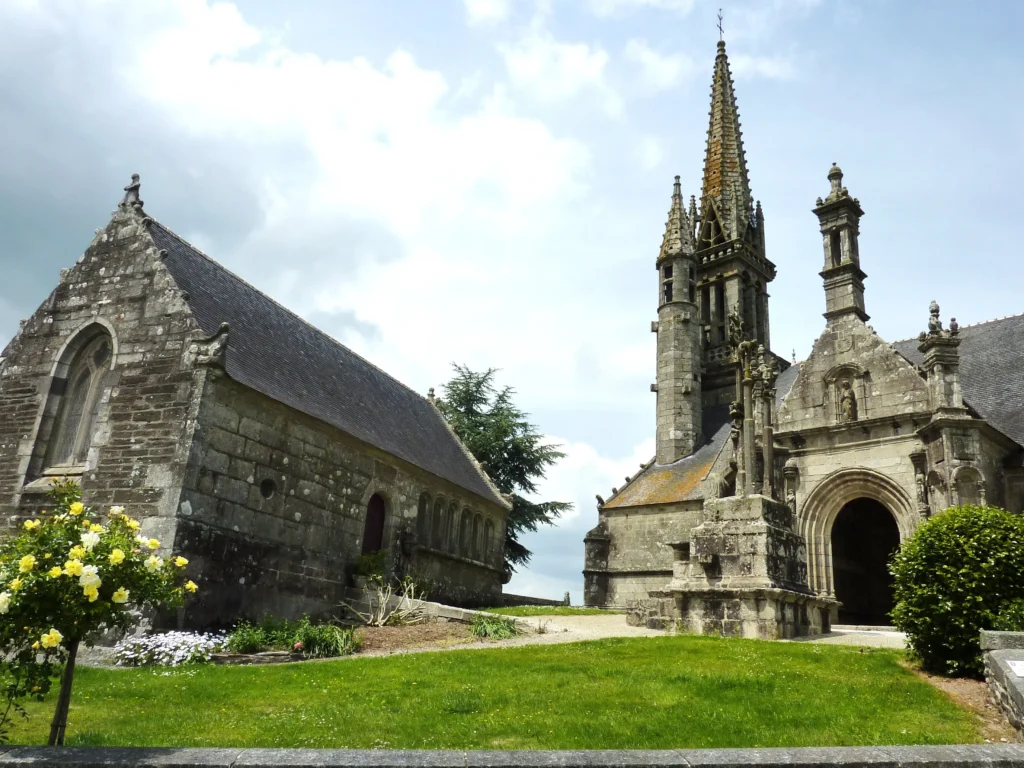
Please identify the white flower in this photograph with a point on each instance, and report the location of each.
(117, 510)
(154, 563)
(90, 540)
(90, 576)
(5, 602)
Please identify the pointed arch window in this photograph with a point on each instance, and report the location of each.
(78, 400)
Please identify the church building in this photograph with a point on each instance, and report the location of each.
(848, 451)
(268, 454)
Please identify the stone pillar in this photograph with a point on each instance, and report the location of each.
(748, 430)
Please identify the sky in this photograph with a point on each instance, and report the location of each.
(486, 182)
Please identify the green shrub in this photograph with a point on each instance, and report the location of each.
(373, 565)
(313, 640)
(952, 577)
(324, 640)
(1010, 617)
(494, 627)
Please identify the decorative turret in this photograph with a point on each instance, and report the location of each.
(839, 216)
(733, 271)
(679, 357)
(942, 363)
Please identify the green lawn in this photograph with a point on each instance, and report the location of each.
(637, 693)
(547, 610)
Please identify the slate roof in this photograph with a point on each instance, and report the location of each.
(277, 353)
(991, 371)
(686, 479)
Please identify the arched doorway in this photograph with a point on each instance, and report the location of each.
(864, 537)
(373, 532)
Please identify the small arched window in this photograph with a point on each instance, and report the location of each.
(489, 543)
(423, 518)
(373, 530)
(453, 516)
(465, 526)
(437, 527)
(79, 392)
(477, 535)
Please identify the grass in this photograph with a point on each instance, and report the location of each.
(547, 610)
(634, 693)
(494, 627)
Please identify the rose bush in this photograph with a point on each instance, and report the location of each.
(65, 577)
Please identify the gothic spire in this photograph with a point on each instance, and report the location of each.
(726, 202)
(677, 237)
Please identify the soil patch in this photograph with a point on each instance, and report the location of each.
(433, 634)
(976, 696)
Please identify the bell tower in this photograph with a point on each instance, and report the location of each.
(732, 270)
(678, 329)
(839, 216)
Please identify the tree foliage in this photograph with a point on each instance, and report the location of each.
(65, 577)
(509, 448)
(953, 577)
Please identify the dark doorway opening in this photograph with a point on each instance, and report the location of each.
(864, 537)
(373, 533)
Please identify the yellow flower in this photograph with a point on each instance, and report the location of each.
(54, 572)
(73, 567)
(31, 524)
(76, 508)
(15, 584)
(35, 646)
(77, 552)
(91, 591)
(191, 586)
(153, 544)
(121, 596)
(133, 524)
(96, 528)
(116, 557)
(27, 563)
(47, 556)
(51, 639)
(153, 563)
(181, 562)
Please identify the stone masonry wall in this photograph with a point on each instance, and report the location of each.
(640, 556)
(141, 435)
(273, 512)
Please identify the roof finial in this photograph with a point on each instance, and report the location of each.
(721, 32)
(794, 355)
(131, 193)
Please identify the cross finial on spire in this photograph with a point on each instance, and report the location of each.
(721, 32)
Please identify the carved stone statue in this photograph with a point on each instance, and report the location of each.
(735, 329)
(954, 326)
(791, 500)
(934, 324)
(131, 192)
(848, 403)
(922, 494)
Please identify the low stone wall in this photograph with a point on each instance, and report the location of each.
(966, 756)
(998, 649)
(509, 600)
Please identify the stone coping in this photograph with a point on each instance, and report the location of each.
(962, 756)
(997, 641)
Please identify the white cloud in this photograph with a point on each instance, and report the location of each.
(552, 72)
(658, 71)
(770, 67)
(484, 12)
(650, 151)
(614, 7)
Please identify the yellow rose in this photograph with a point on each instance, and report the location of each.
(15, 584)
(120, 596)
(133, 524)
(153, 563)
(76, 508)
(31, 525)
(116, 557)
(54, 572)
(91, 591)
(35, 646)
(77, 552)
(51, 639)
(73, 567)
(27, 563)
(153, 544)
(96, 528)
(181, 562)
(191, 586)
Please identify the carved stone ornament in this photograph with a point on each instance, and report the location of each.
(847, 403)
(131, 193)
(212, 350)
(934, 324)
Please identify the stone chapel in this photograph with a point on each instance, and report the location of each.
(267, 453)
(779, 491)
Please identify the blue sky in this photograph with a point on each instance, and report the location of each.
(486, 181)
